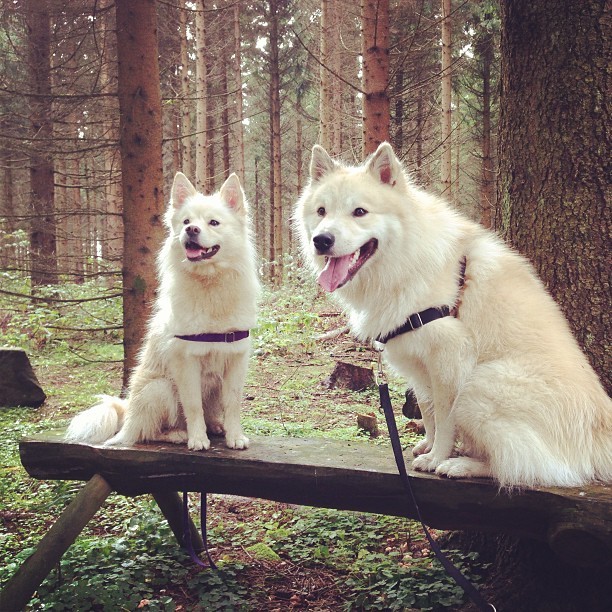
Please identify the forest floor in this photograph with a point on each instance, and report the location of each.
(271, 556)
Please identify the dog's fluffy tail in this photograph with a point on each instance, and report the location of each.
(98, 423)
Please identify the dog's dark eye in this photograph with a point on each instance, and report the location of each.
(213, 222)
(186, 222)
(321, 211)
(360, 212)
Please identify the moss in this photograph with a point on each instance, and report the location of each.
(263, 552)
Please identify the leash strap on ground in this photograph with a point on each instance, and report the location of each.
(187, 531)
(470, 590)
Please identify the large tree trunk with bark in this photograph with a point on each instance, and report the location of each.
(375, 40)
(554, 164)
(42, 226)
(141, 165)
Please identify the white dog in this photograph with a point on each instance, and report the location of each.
(491, 358)
(192, 367)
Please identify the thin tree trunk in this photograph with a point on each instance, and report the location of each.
(201, 96)
(375, 33)
(487, 181)
(110, 230)
(43, 227)
(446, 126)
(186, 103)
(141, 165)
(276, 218)
(554, 166)
(238, 129)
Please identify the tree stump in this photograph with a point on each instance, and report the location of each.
(18, 383)
(349, 376)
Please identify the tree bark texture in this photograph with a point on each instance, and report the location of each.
(141, 165)
(555, 158)
(375, 40)
(43, 257)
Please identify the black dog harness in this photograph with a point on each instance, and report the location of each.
(418, 319)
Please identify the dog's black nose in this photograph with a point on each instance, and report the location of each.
(192, 230)
(323, 242)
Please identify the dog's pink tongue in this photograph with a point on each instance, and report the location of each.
(192, 253)
(335, 272)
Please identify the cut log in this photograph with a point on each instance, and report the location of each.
(349, 376)
(369, 423)
(18, 383)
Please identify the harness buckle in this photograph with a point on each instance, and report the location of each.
(379, 372)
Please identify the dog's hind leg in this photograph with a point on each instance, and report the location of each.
(148, 409)
(464, 467)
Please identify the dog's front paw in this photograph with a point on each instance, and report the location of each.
(198, 442)
(427, 462)
(422, 447)
(237, 441)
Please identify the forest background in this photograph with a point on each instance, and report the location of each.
(501, 107)
(101, 104)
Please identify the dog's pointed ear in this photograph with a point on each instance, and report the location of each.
(384, 165)
(182, 189)
(320, 163)
(231, 193)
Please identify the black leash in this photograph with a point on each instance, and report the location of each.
(470, 590)
(187, 531)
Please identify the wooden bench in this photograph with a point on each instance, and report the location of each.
(577, 523)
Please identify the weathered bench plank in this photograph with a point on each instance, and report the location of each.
(577, 522)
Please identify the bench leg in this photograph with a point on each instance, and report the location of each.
(171, 505)
(20, 588)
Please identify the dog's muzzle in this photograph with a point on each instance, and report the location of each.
(323, 242)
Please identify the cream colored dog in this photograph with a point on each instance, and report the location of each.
(192, 367)
(504, 375)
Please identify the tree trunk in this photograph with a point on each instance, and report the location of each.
(238, 105)
(186, 103)
(42, 227)
(375, 40)
(554, 165)
(141, 165)
(484, 48)
(276, 218)
(201, 98)
(446, 126)
(330, 100)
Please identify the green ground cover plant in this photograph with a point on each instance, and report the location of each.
(271, 556)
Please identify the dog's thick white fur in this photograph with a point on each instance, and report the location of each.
(208, 283)
(505, 377)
